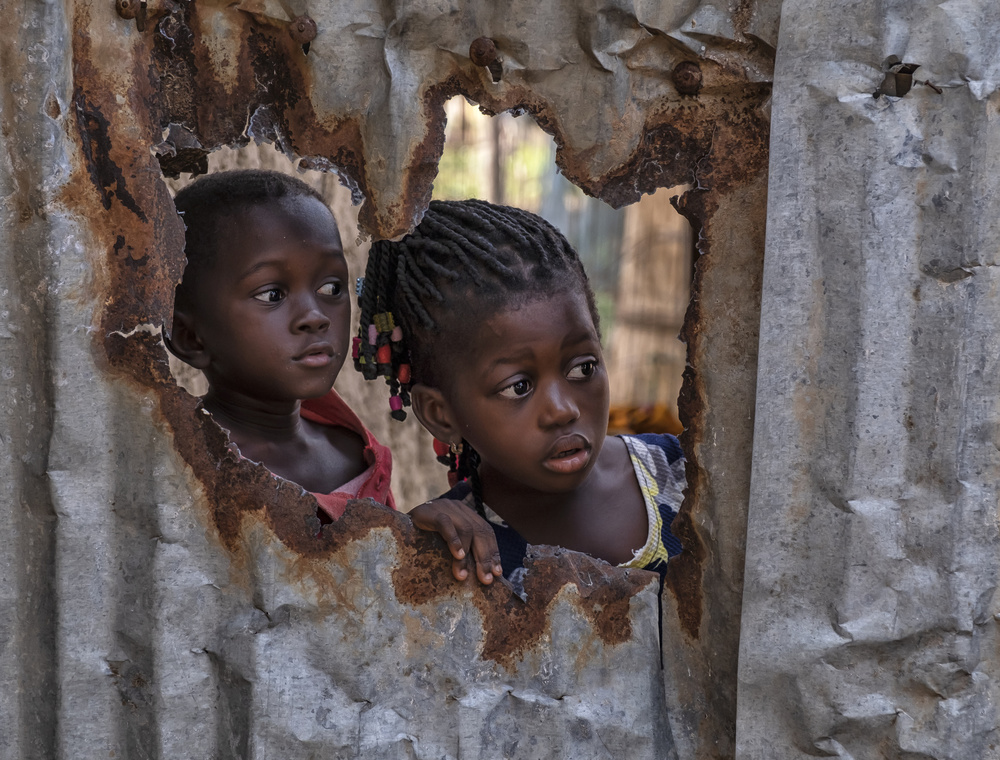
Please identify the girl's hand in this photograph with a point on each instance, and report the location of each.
(462, 529)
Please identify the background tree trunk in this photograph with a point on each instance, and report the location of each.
(645, 357)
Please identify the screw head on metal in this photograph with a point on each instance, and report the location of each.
(483, 51)
(302, 29)
(687, 78)
(126, 8)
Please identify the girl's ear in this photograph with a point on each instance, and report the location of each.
(184, 342)
(434, 413)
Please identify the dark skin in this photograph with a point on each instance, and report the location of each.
(470, 539)
(269, 326)
(531, 396)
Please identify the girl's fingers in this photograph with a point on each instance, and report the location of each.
(432, 517)
(452, 536)
(486, 553)
(463, 530)
(459, 570)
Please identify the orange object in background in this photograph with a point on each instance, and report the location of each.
(654, 418)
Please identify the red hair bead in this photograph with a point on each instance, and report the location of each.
(384, 355)
(403, 373)
(355, 347)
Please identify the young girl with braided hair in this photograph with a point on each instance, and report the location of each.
(484, 322)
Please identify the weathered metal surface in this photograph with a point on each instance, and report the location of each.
(869, 625)
(702, 610)
(230, 75)
(164, 599)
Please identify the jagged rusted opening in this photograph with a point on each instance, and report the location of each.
(714, 138)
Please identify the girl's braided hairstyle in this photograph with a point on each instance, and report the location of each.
(423, 296)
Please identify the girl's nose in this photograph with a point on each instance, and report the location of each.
(310, 318)
(560, 408)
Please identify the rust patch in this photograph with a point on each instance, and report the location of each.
(272, 88)
(707, 150)
(172, 67)
(95, 142)
(426, 573)
(742, 16)
(132, 684)
(685, 572)
(52, 107)
(114, 190)
(695, 144)
(419, 182)
(687, 78)
(605, 593)
(131, 257)
(513, 626)
(273, 82)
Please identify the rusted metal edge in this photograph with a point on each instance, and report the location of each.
(133, 215)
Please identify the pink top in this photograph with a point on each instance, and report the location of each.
(373, 482)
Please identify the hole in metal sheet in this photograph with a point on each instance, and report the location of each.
(416, 476)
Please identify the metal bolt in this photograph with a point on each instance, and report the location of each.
(483, 52)
(126, 8)
(687, 78)
(133, 9)
(302, 30)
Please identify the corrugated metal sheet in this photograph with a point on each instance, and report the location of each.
(869, 626)
(162, 599)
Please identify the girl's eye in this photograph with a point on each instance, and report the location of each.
(329, 289)
(272, 295)
(516, 390)
(582, 371)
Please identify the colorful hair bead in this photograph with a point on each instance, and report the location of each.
(355, 347)
(384, 355)
(396, 405)
(403, 373)
(384, 321)
(397, 334)
(372, 334)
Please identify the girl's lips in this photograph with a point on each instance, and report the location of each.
(316, 360)
(569, 454)
(316, 355)
(568, 463)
